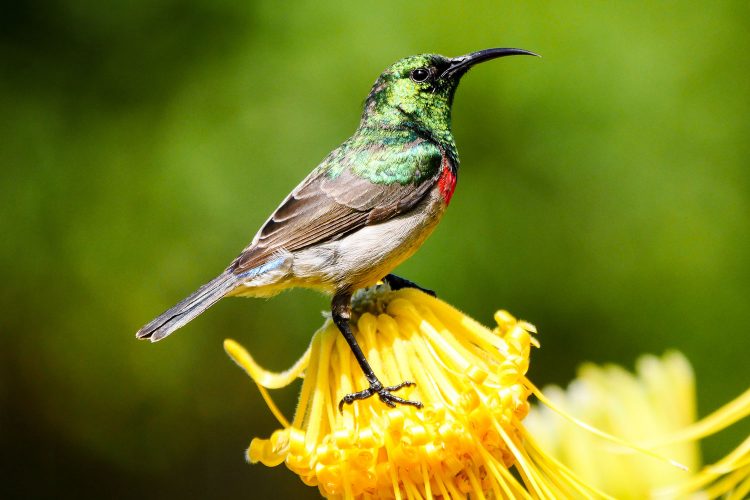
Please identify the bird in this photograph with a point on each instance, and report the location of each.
(367, 207)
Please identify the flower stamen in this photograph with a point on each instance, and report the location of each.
(473, 431)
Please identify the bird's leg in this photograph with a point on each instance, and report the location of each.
(397, 283)
(341, 311)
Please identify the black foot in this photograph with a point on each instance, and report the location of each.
(384, 393)
(397, 283)
(341, 310)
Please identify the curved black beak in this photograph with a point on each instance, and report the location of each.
(461, 64)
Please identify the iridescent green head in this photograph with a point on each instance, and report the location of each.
(419, 89)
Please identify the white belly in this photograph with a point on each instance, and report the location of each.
(355, 261)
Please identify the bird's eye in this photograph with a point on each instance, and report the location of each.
(420, 75)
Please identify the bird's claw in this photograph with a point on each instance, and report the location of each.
(428, 291)
(398, 283)
(384, 393)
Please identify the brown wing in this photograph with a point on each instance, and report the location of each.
(324, 208)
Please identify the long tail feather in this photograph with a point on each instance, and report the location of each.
(184, 312)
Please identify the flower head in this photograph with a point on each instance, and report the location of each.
(465, 440)
(654, 407)
(472, 437)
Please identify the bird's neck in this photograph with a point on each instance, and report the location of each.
(396, 124)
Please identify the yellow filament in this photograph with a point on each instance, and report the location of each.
(735, 466)
(722, 418)
(741, 491)
(261, 376)
(607, 437)
(553, 467)
(245, 361)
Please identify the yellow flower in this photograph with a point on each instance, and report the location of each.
(654, 407)
(465, 440)
(473, 437)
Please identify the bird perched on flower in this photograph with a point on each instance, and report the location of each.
(366, 208)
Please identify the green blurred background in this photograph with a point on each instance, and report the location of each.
(604, 196)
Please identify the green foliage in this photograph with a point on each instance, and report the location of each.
(603, 196)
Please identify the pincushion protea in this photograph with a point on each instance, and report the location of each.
(469, 440)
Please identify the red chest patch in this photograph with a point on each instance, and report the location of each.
(447, 181)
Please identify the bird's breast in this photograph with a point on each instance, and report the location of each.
(365, 256)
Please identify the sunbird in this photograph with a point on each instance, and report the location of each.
(367, 207)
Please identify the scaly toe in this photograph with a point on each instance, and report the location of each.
(391, 400)
(384, 394)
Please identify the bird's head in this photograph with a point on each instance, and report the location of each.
(419, 90)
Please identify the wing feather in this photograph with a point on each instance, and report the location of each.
(332, 202)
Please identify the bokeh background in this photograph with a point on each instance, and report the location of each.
(604, 196)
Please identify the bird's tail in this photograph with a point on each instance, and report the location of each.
(184, 312)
